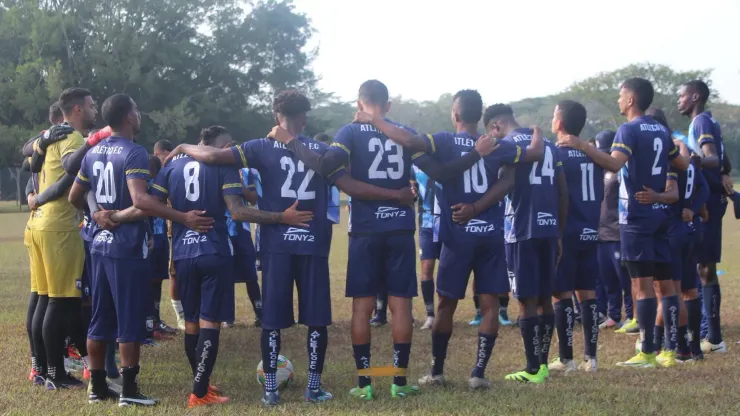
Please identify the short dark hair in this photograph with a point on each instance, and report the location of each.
(209, 134)
(322, 137)
(605, 139)
(55, 110)
(115, 109)
(643, 89)
(658, 115)
(496, 111)
(291, 103)
(373, 92)
(154, 164)
(701, 88)
(471, 105)
(573, 115)
(164, 145)
(71, 97)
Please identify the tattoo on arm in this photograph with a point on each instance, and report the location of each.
(242, 213)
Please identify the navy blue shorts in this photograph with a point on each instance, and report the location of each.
(381, 262)
(578, 266)
(428, 249)
(83, 283)
(533, 265)
(684, 260)
(206, 288)
(160, 261)
(645, 248)
(245, 258)
(311, 277)
(120, 299)
(486, 259)
(710, 250)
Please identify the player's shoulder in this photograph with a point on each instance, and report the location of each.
(312, 144)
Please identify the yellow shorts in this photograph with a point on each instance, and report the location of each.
(57, 259)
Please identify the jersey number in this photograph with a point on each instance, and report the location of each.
(547, 169)
(658, 147)
(689, 181)
(106, 191)
(375, 145)
(476, 178)
(587, 182)
(287, 164)
(191, 173)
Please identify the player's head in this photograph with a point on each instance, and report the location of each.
(55, 113)
(122, 115)
(373, 98)
(497, 120)
(78, 107)
(691, 95)
(592, 141)
(291, 106)
(635, 95)
(467, 107)
(216, 136)
(154, 165)
(569, 117)
(162, 149)
(658, 115)
(604, 140)
(322, 137)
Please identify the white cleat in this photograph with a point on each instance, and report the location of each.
(708, 348)
(589, 365)
(430, 380)
(566, 366)
(477, 383)
(428, 323)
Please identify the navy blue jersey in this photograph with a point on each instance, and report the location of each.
(470, 186)
(585, 192)
(377, 160)
(159, 228)
(191, 185)
(702, 130)
(237, 229)
(649, 147)
(688, 183)
(105, 169)
(284, 180)
(532, 207)
(87, 230)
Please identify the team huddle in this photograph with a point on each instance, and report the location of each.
(573, 229)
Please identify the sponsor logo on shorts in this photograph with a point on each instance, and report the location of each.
(478, 226)
(589, 234)
(105, 237)
(298, 234)
(546, 219)
(389, 212)
(193, 237)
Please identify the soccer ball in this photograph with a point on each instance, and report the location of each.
(285, 373)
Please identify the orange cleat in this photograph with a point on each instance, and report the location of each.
(72, 353)
(208, 399)
(35, 373)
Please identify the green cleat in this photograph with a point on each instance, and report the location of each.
(362, 393)
(399, 392)
(641, 360)
(544, 371)
(525, 377)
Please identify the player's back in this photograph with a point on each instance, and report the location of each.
(376, 160)
(686, 184)
(705, 129)
(195, 186)
(585, 193)
(532, 207)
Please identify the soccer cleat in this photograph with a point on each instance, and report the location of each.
(630, 326)
(181, 324)
(317, 396)
(478, 383)
(708, 348)
(208, 399)
(430, 380)
(271, 398)
(162, 336)
(564, 365)
(666, 359)
(39, 380)
(163, 327)
(589, 365)
(228, 324)
(602, 319)
(32, 375)
(544, 371)
(641, 360)
(399, 392)
(362, 393)
(137, 399)
(476, 320)
(72, 353)
(377, 321)
(93, 397)
(67, 381)
(609, 323)
(525, 377)
(149, 342)
(503, 317)
(428, 323)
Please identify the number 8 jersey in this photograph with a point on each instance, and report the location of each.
(105, 170)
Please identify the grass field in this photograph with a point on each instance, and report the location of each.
(708, 388)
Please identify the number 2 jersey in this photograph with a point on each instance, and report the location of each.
(191, 185)
(585, 181)
(532, 206)
(286, 179)
(105, 170)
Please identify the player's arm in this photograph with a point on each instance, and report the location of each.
(726, 178)
(56, 190)
(334, 157)
(206, 154)
(669, 196)
(77, 193)
(399, 135)
(614, 161)
(28, 147)
(55, 134)
(37, 162)
(562, 198)
(72, 162)
(250, 195)
(290, 216)
(153, 207)
(698, 198)
(364, 191)
(462, 213)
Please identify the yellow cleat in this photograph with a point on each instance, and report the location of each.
(641, 360)
(667, 359)
(629, 327)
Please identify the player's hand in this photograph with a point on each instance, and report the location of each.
(682, 148)
(196, 221)
(704, 214)
(647, 196)
(292, 216)
(280, 134)
(32, 204)
(104, 220)
(55, 134)
(687, 215)
(571, 141)
(406, 196)
(150, 244)
(176, 151)
(462, 213)
(363, 118)
(485, 145)
(727, 184)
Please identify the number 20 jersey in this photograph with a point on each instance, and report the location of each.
(377, 160)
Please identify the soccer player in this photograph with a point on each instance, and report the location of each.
(535, 218)
(323, 138)
(705, 139)
(613, 274)
(120, 281)
(429, 249)
(644, 148)
(471, 233)
(578, 262)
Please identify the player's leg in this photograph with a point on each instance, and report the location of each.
(253, 286)
(690, 295)
(476, 305)
(709, 256)
(314, 311)
(585, 284)
(630, 325)
(102, 331)
(174, 297)
(160, 272)
(33, 301)
(610, 279)
(380, 314)
(547, 251)
(39, 282)
(429, 251)
(562, 298)
(669, 297)
(503, 310)
(400, 279)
